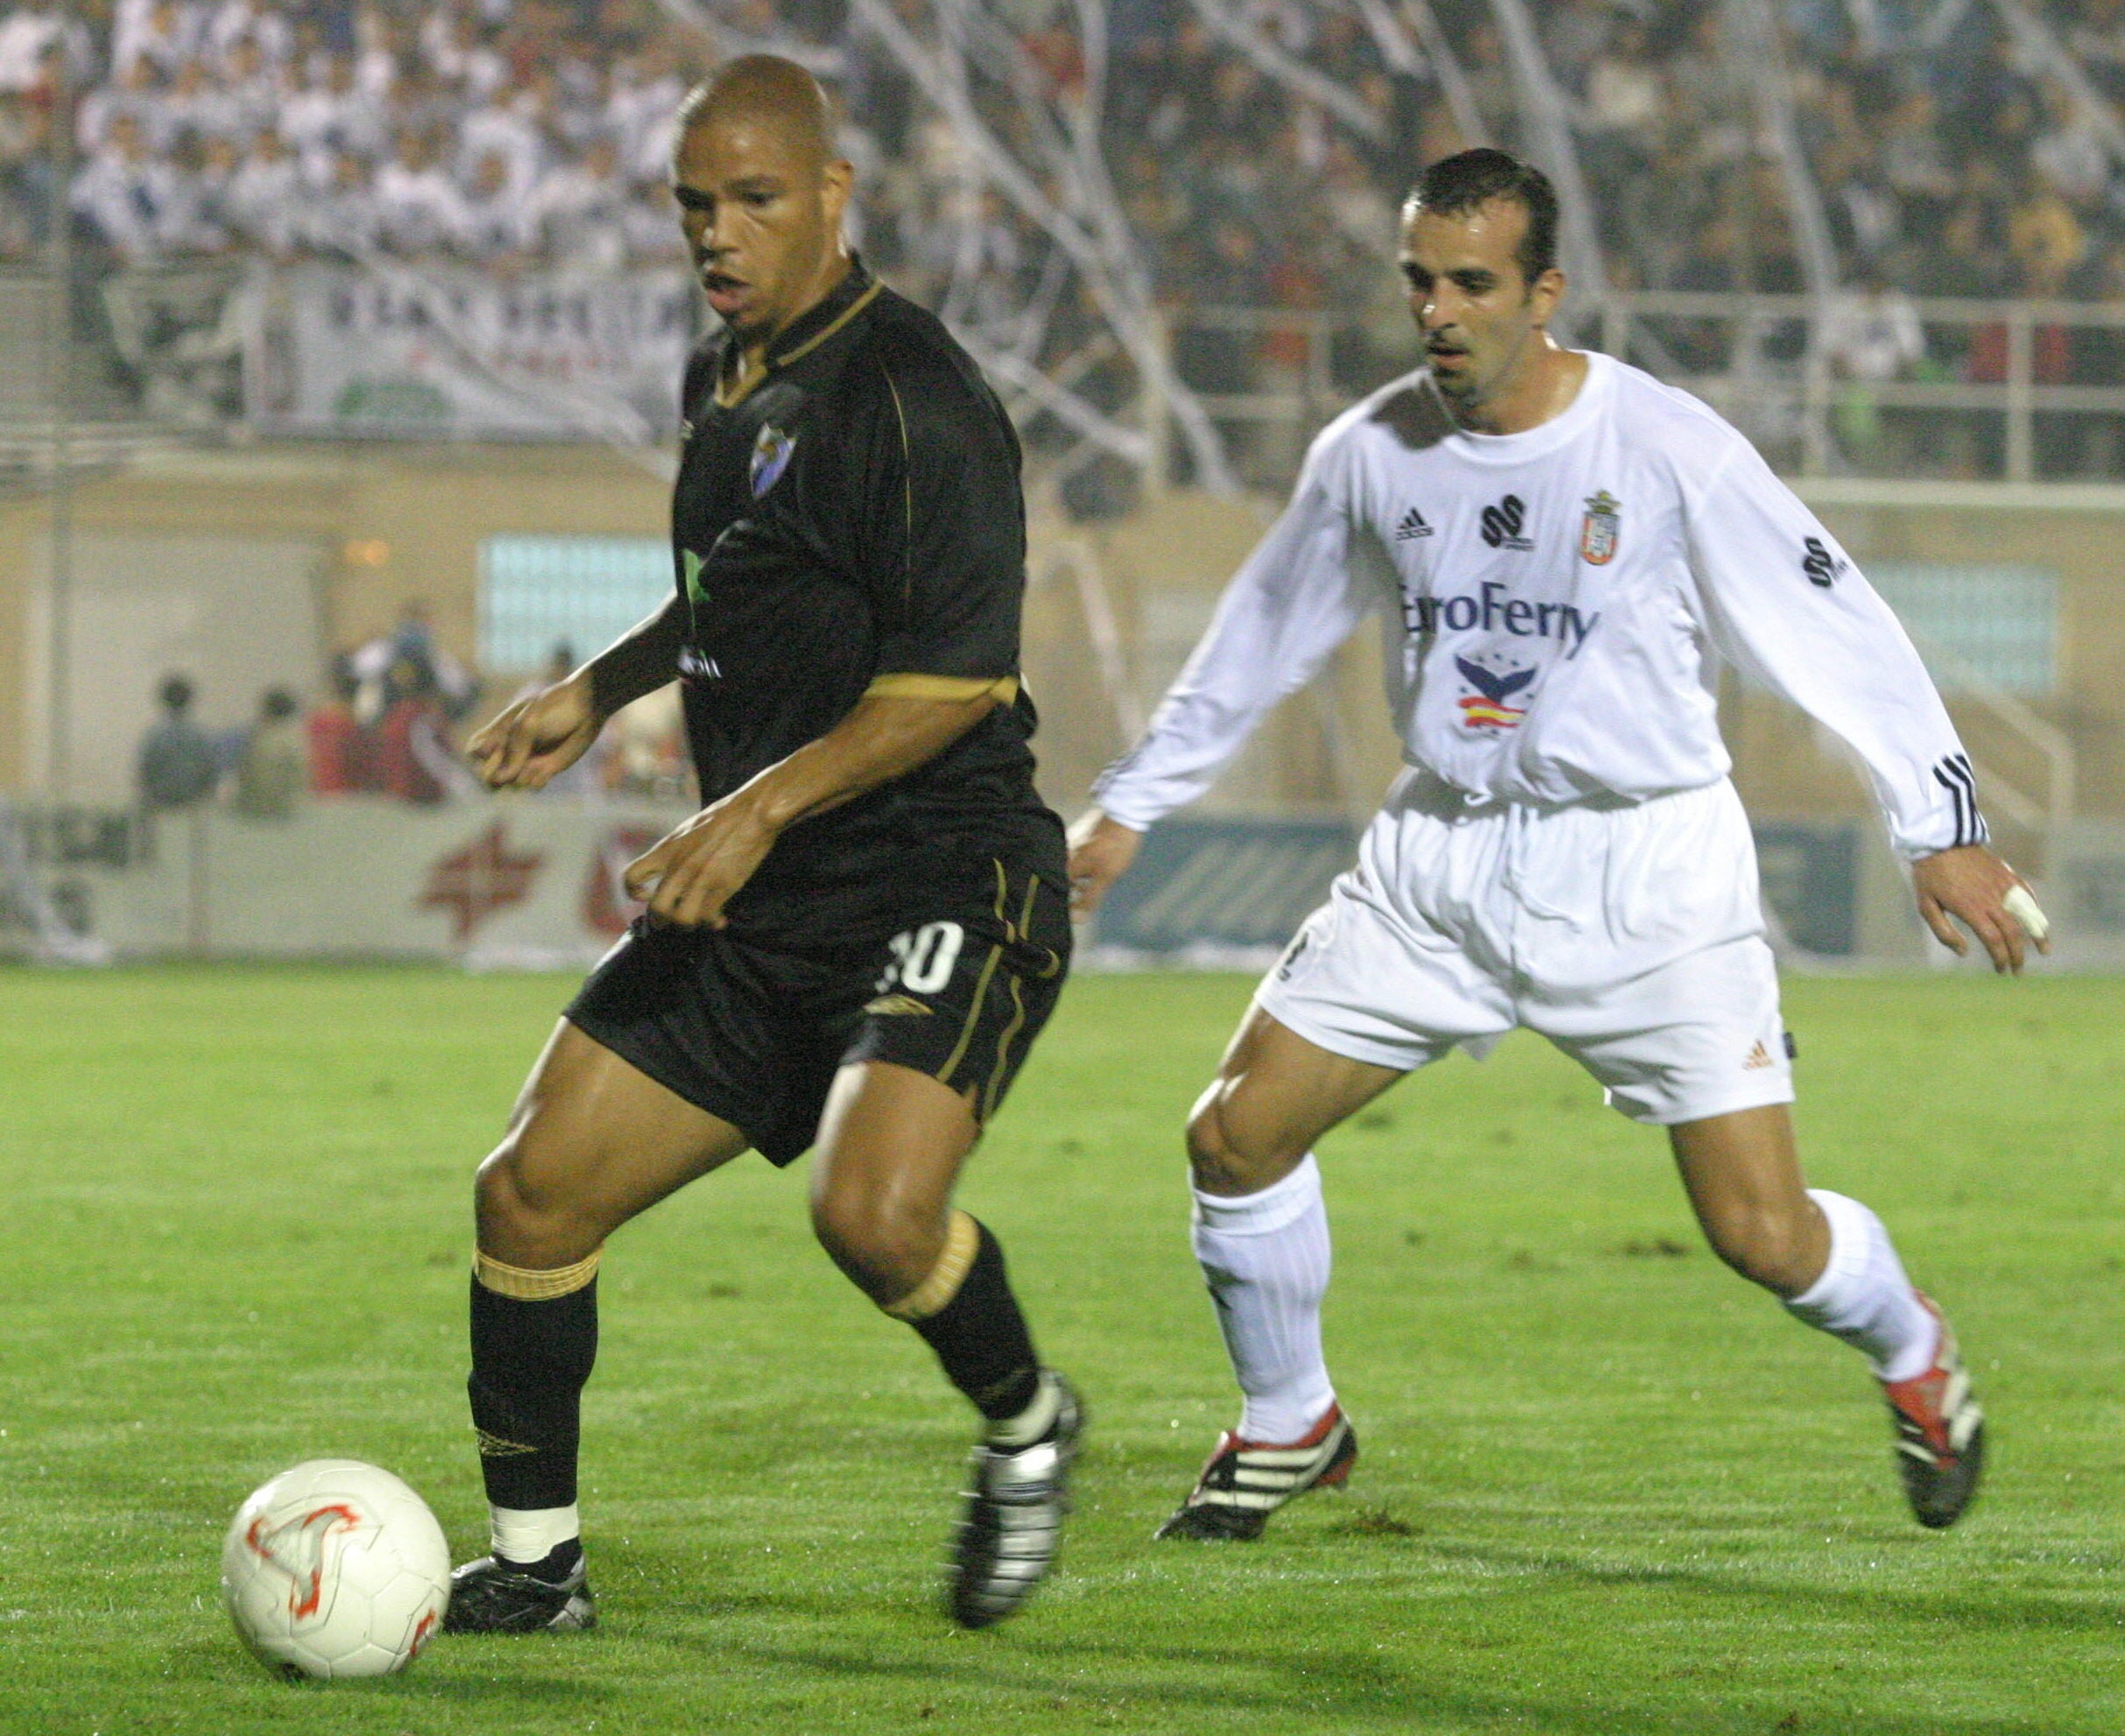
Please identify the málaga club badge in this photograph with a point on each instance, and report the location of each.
(770, 458)
(1596, 529)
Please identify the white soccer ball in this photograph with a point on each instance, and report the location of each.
(335, 1568)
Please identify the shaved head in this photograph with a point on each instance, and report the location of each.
(761, 192)
(770, 93)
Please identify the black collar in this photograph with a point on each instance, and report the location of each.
(828, 312)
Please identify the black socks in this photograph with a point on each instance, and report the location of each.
(530, 1361)
(981, 1338)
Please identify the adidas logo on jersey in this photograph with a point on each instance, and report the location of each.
(1412, 525)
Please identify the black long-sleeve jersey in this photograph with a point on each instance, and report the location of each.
(851, 522)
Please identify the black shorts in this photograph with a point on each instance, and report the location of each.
(955, 980)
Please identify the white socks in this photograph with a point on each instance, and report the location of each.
(1015, 1433)
(1863, 1296)
(525, 1535)
(1266, 1258)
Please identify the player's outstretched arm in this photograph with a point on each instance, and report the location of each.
(695, 871)
(534, 741)
(1970, 884)
(1101, 849)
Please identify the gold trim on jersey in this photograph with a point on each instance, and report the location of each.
(965, 689)
(730, 393)
(962, 1243)
(831, 327)
(907, 494)
(526, 1284)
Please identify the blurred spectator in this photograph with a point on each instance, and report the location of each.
(343, 758)
(414, 760)
(178, 766)
(411, 641)
(136, 202)
(263, 203)
(1873, 333)
(30, 36)
(418, 209)
(1872, 336)
(492, 224)
(575, 214)
(270, 768)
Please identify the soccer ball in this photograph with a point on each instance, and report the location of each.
(335, 1568)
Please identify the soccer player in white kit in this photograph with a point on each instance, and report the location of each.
(1569, 547)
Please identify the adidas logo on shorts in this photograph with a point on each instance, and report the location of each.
(1758, 1056)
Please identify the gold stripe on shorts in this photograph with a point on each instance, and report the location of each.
(1003, 1048)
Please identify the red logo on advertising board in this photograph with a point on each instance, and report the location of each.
(472, 884)
(606, 907)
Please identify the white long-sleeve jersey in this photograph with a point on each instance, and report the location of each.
(1564, 596)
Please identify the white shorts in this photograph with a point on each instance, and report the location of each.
(1631, 935)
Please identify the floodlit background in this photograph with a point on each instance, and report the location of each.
(339, 345)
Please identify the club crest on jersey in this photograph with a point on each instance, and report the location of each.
(1490, 706)
(1597, 529)
(770, 458)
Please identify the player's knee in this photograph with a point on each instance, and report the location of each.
(885, 1247)
(1227, 1156)
(1766, 1244)
(516, 1201)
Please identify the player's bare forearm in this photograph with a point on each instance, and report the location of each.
(1972, 886)
(540, 737)
(638, 662)
(692, 874)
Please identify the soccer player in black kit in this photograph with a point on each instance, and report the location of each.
(852, 944)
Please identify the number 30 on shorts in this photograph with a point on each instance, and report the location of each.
(922, 958)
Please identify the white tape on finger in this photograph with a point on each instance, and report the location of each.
(2019, 905)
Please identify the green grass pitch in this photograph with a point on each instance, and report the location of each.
(1607, 1489)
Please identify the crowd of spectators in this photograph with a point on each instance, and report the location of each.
(524, 132)
(258, 767)
(1948, 159)
(390, 725)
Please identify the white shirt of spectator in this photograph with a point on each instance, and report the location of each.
(265, 29)
(27, 34)
(418, 208)
(265, 197)
(1874, 334)
(165, 32)
(1558, 602)
(497, 127)
(135, 201)
(494, 219)
(453, 49)
(327, 115)
(574, 214)
(340, 216)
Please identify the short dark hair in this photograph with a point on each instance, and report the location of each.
(1471, 178)
(176, 693)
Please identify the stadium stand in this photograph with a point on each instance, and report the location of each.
(1962, 151)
